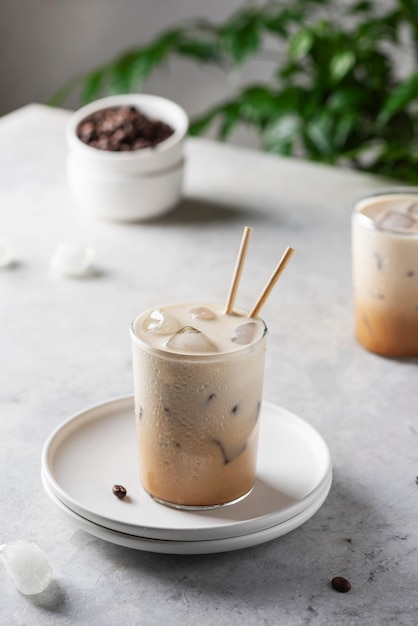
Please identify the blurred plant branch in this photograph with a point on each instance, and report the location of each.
(335, 94)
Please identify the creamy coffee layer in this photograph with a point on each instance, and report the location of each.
(204, 328)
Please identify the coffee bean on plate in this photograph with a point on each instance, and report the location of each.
(119, 491)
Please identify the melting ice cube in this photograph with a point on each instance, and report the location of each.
(398, 222)
(27, 566)
(245, 333)
(202, 313)
(161, 322)
(72, 259)
(190, 340)
(413, 209)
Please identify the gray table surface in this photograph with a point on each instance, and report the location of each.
(64, 346)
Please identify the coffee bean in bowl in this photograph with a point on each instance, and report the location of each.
(121, 129)
(125, 159)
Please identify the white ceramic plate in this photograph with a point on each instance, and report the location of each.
(96, 448)
(192, 547)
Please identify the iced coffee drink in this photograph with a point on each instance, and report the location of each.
(198, 379)
(385, 273)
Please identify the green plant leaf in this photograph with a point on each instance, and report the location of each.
(361, 7)
(120, 74)
(318, 135)
(396, 160)
(230, 118)
(203, 51)
(341, 63)
(92, 86)
(280, 19)
(376, 29)
(300, 44)
(410, 10)
(280, 135)
(258, 104)
(411, 5)
(289, 71)
(201, 123)
(227, 114)
(343, 127)
(402, 96)
(346, 98)
(240, 37)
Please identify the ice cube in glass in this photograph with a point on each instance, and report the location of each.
(161, 322)
(202, 313)
(413, 209)
(190, 340)
(397, 222)
(245, 333)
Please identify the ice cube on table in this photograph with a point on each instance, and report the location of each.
(191, 341)
(202, 313)
(245, 333)
(72, 259)
(27, 566)
(161, 322)
(6, 253)
(398, 222)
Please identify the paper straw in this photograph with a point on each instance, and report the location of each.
(242, 253)
(271, 282)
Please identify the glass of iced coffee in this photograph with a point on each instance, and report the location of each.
(198, 380)
(385, 272)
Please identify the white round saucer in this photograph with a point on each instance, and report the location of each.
(96, 448)
(192, 547)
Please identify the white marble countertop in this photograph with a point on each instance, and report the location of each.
(64, 345)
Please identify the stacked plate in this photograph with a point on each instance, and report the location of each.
(96, 449)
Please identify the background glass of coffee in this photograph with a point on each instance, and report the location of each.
(385, 272)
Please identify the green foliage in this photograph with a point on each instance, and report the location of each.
(334, 94)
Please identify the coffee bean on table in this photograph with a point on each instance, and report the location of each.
(123, 128)
(341, 584)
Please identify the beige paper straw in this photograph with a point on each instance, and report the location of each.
(271, 282)
(242, 253)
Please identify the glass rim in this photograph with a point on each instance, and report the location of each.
(201, 356)
(369, 223)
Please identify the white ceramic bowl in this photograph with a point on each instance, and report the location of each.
(132, 185)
